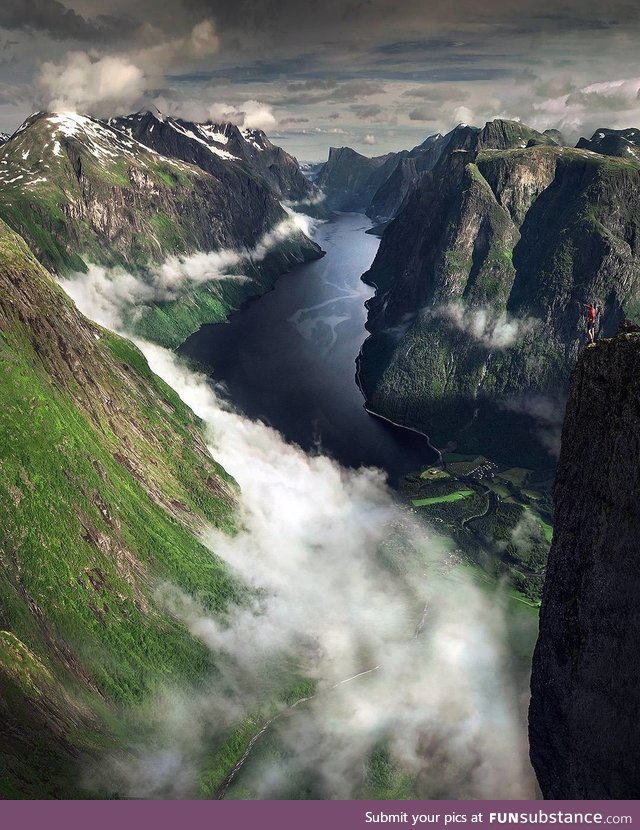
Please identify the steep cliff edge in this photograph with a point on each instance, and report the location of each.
(583, 721)
(380, 185)
(480, 282)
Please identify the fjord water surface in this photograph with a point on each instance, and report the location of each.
(288, 358)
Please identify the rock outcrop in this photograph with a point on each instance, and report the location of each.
(350, 180)
(585, 705)
(480, 282)
(621, 143)
(380, 185)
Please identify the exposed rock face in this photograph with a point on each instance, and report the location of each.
(223, 150)
(621, 143)
(379, 186)
(76, 187)
(480, 284)
(81, 191)
(350, 180)
(585, 705)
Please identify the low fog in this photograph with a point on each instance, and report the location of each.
(351, 591)
(547, 414)
(495, 331)
(109, 293)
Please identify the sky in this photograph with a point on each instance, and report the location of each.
(375, 75)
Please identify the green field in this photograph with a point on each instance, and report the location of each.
(457, 496)
(516, 475)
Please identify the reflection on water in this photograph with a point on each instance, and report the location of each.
(289, 357)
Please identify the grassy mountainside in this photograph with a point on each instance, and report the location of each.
(105, 479)
(80, 191)
(480, 284)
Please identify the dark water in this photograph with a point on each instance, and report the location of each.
(289, 357)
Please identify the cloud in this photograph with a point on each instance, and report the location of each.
(437, 93)
(366, 111)
(89, 85)
(284, 122)
(257, 116)
(99, 84)
(204, 39)
(355, 594)
(112, 293)
(553, 87)
(369, 138)
(251, 114)
(58, 21)
(547, 414)
(494, 331)
(614, 103)
(421, 114)
(14, 93)
(314, 92)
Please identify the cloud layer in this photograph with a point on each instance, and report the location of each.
(398, 71)
(99, 83)
(113, 294)
(495, 331)
(359, 595)
(350, 590)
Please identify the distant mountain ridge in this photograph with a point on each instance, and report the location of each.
(210, 146)
(378, 186)
(621, 143)
(83, 191)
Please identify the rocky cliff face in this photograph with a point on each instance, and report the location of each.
(583, 720)
(349, 180)
(480, 283)
(621, 143)
(81, 191)
(380, 185)
(105, 483)
(223, 150)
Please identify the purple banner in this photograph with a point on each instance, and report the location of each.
(312, 815)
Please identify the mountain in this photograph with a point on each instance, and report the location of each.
(379, 186)
(622, 143)
(106, 483)
(4, 137)
(212, 146)
(583, 719)
(350, 180)
(80, 192)
(480, 280)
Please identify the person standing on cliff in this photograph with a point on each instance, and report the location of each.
(592, 314)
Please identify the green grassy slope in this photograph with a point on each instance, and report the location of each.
(104, 479)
